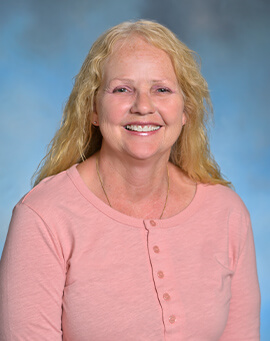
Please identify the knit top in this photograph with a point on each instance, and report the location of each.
(75, 269)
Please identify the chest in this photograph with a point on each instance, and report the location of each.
(148, 284)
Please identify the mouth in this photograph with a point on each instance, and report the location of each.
(142, 128)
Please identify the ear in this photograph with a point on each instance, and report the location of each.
(94, 119)
(184, 118)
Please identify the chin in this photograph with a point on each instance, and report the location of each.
(145, 154)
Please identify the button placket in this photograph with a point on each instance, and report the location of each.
(161, 276)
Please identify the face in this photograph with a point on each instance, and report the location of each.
(139, 105)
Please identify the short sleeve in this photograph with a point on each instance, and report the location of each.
(244, 316)
(32, 278)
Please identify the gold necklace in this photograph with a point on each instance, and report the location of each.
(168, 179)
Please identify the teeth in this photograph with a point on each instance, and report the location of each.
(142, 128)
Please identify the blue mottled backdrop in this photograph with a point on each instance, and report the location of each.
(43, 44)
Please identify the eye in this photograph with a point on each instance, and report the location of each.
(163, 90)
(120, 90)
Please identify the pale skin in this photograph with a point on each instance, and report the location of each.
(139, 92)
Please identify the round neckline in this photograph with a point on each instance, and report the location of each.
(183, 215)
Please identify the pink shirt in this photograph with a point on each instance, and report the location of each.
(75, 269)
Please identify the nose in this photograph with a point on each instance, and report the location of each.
(142, 104)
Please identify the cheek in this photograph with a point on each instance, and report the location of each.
(177, 116)
(174, 109)
(112, 110)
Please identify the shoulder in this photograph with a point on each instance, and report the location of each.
(55, 204)
(228, 214)
(50, 192)
(219, 196)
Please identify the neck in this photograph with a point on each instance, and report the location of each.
(136, 179)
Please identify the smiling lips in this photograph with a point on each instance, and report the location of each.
(142, 128)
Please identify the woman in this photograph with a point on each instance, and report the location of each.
(132, 234)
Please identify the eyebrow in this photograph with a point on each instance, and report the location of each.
(131, 80)
(121, 79)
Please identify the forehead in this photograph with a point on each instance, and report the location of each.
(136, 48)
(132, 43)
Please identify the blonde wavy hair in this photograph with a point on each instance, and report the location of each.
(77, 139)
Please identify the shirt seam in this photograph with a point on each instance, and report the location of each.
(244, 216)
(51, 233)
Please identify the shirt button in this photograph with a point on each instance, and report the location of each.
(153, 223)
(166, 296)
(172, 319)
(160, 274)
(156, 249)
